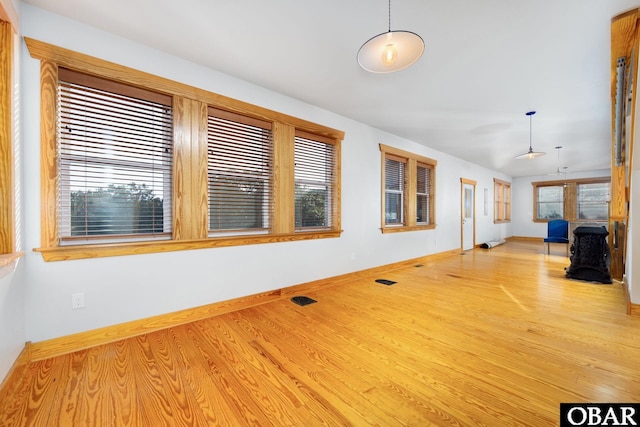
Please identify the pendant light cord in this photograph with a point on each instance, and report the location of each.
(530, 132)
(389, 15)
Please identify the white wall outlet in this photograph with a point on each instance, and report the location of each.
(77, 300)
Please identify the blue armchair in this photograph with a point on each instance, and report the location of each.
(557, 232)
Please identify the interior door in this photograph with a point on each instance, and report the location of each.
(468, 214)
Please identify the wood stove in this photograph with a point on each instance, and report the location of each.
(590, 255)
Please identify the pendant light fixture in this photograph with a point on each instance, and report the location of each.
(530, 154)
(390, 51)
(557, 172)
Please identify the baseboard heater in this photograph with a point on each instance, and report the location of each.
(493, 243)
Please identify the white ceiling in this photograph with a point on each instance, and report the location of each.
(486, 63)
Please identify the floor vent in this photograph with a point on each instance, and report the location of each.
(386, 282)
(419, 265)
(302, 300)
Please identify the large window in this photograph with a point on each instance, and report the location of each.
(152, 165)
(408, 190)
(574, 200)
(502, 199)
(114, 161)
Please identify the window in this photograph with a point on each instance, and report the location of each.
(314, 182)
(593, 200)
(114, 161)
(502, 198)
(573, 200)
(550, 202)
(240, 159)
(394, 191)
(408, 191)
(152, 165)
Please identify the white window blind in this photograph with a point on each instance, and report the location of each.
(240, 170)
(315, 180)
(423, 194)
(394, 176)
(114, 161)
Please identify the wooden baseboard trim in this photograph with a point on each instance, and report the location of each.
(12, 380)
(83, 340)
(525, 239)
(632, 309)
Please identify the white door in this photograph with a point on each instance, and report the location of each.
(468, 217)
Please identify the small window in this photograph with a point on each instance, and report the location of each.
(550, 202)
(502, 198)
(315, 182)
(394, 191)
(423, 195)
(593, 201)
(408, 191)
(115, 161)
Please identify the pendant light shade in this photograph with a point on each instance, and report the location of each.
(390, 51)
(530, 154)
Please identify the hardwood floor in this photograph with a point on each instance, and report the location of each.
(490, 337)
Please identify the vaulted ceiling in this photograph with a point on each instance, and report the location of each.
(485, 65)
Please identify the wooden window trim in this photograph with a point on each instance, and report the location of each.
(570, 196)
(499, 187)
(8, 240)
(411, 160)
(189, 168)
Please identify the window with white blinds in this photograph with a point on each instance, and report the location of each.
(423, 194)
(394, 191)
(408, 191)
(114, 161)
(151, 165)
(315, 181)
(240, 170)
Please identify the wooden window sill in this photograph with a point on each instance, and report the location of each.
(63, 253)
(407, 228)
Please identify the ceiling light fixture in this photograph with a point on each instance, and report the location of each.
(530, 154)
(557, 172)
(390, 51)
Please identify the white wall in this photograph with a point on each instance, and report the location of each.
(522, 197)
(12, 283)
(125, 288)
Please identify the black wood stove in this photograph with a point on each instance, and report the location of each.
(590, 255)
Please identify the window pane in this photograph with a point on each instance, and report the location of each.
(550, 202)
(314, 183)
(114, 163)
(239, 173)
(393, 208)
(422, 194)
(592, 201)
(394, 191)
(394, 175)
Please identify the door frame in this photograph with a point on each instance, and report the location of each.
(473, 183)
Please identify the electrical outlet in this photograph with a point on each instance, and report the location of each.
(77, 300)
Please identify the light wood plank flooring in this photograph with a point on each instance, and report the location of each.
(490, 337)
